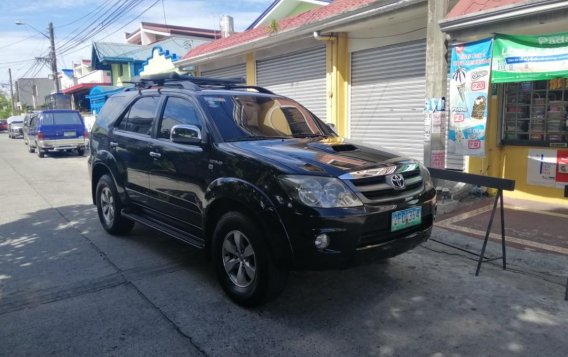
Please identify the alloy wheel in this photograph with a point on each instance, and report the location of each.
(107, 205)
(239, 259)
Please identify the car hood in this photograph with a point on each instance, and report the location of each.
(331, 156)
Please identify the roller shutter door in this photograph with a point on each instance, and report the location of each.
(300, 76)
(238, 71)
(388, 88)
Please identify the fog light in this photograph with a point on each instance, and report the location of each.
(322, 241)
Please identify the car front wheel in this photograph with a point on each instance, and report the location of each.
(243, 262)
(109, 206)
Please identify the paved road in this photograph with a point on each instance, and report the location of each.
(67, 289)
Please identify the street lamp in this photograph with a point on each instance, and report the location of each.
(52, 57)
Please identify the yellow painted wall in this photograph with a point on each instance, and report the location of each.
(337, 83)
(251, 69)
(510, 162)
(119, 80)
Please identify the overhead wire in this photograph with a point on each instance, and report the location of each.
(96, 26)
(114, 31)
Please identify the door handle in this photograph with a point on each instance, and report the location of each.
(155, 155)
(113, 144)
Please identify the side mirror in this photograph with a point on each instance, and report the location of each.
(332, 127)
(185, 134)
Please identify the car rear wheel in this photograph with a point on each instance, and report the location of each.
(243, 262)
(109, 207)
(81, 151)
(40, 152)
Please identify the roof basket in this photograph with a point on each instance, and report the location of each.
(193, 83)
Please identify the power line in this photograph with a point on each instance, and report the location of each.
(93, 28)
(92, 12)
(114, 31)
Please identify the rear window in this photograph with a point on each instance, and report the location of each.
(64, 118)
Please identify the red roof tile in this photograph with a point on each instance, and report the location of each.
(312, 16)
(468, 7)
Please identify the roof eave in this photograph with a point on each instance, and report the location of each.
(374, 9)
(505, 13)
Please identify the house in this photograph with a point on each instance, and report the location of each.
(84, 79)
(31, 92)
(149, 33)
(126, 60)
(359, 64)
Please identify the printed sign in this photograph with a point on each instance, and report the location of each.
(562, 166)
(529, 58)
(541, 168)
(469, 83)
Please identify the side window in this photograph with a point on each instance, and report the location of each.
(177, 111)
(140, 116)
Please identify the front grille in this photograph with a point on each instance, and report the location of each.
(377, 189)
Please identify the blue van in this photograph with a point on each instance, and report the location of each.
(57, 130)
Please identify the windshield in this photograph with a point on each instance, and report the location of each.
(249, 117)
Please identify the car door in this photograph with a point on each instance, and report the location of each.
(179, 173)
(130, 140)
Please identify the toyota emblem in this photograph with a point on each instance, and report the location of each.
(396, 181)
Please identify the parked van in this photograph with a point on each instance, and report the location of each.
(57, 130)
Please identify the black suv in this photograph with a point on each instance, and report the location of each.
(254, 179)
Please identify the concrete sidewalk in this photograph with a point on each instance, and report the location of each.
(536, 236)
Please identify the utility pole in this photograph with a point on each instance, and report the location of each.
(53, 58)
(436, 77)
(11, 92)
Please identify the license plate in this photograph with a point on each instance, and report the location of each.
(69, 133)
(406, 218)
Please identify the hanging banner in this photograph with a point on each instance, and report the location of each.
(529, 58)
(469, 85)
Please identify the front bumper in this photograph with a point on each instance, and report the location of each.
(63, 144)
(17, 133)
(358, 235)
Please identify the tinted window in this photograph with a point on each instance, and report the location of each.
(177, 111)
(61, 119)
(140, 116)
(241, 117)
(111, 110)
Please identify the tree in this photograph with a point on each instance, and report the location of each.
(5, 106)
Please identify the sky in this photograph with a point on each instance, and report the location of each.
(103, 20)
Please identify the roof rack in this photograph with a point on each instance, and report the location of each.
(192, 83)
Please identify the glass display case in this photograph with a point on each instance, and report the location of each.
(534, 113)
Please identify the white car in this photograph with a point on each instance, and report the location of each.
(16, 126)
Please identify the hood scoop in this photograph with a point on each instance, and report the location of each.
(344, 147)
(332, 148)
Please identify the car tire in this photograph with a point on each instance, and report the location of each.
(243, 262)
(81, 151)
(31, 149)
(40, 153)
(109, 207)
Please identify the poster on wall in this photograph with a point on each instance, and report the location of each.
(562, 167)
(541, 168)
(469, 85)
(518, 58)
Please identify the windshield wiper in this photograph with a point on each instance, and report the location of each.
(251, 138)
(310, 135)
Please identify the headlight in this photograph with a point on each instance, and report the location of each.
(325, 192)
